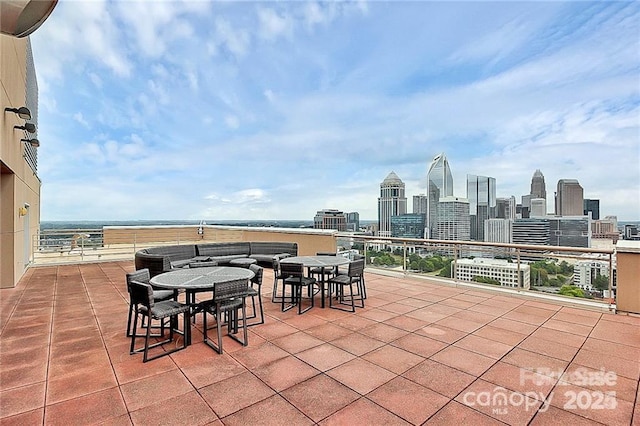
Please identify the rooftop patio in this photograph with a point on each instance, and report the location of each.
(419, 352)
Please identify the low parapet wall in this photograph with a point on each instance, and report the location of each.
(310, 241)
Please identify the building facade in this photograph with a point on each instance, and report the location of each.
(330, 219)
(570, 231)
(407, 226)
(392, 202)
(506, 208)
(353, 221)
(509, 274)
(481, 193)
(439, 185)
(593, 207)
(538, 186)
(538, 208)
(453, 219)
(19, 181)
(498, 231)
(569, 198)
(531, 231)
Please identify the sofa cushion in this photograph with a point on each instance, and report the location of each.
(215, 250)
(175, 252)
(273, 247)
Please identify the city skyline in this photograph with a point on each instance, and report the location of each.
(264, 111)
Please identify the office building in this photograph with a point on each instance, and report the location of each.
(420, 204)
(506, 208)
(330, 219)
(586, 271)
(498, 230)
(439, 185)
(407, 226)
(353, 221)
(392, 202)
(531, 231)
(593, 207)
(508, 274)
(605, 228)
(569, 198)
(453, 219)
(538, 187)
(569, 231)
(538, 208)
(481, 193)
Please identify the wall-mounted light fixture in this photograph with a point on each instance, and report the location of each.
(29, 127)
(22, 211)
(23, 112)
(33, 142)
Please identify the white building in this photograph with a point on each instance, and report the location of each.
(498, 269)
(585, 271)
(498, 230)
(538, 207)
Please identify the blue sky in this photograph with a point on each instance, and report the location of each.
(274, 110)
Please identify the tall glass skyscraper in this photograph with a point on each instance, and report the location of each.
(392, 202)
(481, 193)
(538, 187)
(569, 198)
(440, 184)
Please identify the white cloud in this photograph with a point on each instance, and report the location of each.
(274, 24)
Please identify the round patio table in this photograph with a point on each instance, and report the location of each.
(194, 280)
(324, 262)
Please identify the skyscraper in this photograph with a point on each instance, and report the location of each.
(439, 184)
(453, 219)
(391, 202)
(481, 193)
(592, 206)
(569, 198)
(538, 187)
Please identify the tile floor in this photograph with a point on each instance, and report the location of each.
(420, 352)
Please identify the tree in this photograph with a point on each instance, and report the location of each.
(570, 290)
(446, 269)
(601, 282)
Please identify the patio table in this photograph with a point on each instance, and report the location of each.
(194, 280)
(318, 262)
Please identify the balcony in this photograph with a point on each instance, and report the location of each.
(421, 351)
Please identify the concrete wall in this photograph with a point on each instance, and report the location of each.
(19, 185)
(309, 241)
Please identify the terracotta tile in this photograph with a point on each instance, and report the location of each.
(534, 361)
(357, 344)
(22, 374)
(383, 332)
(354, 322)
(496, 311)
(134, 368)
(328, 332)
(302, 322)
(500, 403)
(202, 366)
(253, 357)
(284, 373)
(271, 411)
(393, 358)
(592, 405)
(419, 345)
(461, 359)
(144, 392)
(619, 366)
(483, 346)
(555, 416)
(235, 393)
(406, 323)
(93, 408)
(579, 329)
(363, 412)
(398, 308)
(360, 375)
(427, 315)
(81, 383)
(500, 335)
(325, 357)
(578, 316)
(320, 397)
(526, 382)
(22, 399)
(460, 324)
(297, 342)
(548, 348)
(274, 329)
(441, 378)
(441, 333)
(613, 349)
(34, 417)
(557, 336)
(526, 318)
(600, 380)
(455, 413)
(457, 303)
(513, 325)
(394, 396)
(378, 314)
(173, 411)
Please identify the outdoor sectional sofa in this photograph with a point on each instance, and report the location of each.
(165, 258)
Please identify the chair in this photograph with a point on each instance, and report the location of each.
(228, 298)
(255, 290)
(293, 274)
(142, 298)
(339, 282)
(277, 276)
(144, 276)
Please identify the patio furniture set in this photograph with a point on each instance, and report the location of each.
(231, 278)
